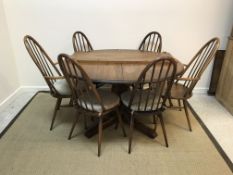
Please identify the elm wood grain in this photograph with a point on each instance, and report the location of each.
(150, 101)
(86, 98)
(118, 65)
(224, 90)
(81, 42)
(152, 42)
(183, 85)
(49, 71)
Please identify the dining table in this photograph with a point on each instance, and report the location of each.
(120, 68)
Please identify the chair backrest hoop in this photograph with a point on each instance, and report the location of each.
(81, 42)
(151, 42)
(157, 77)
(199, 63)
(42, 61)
(82, 88)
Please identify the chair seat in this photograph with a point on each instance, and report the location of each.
(62, 87)
(151, 103)
(178, 91)
(109, 100)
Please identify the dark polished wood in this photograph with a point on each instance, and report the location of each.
(48, 69)
(118, 65)
(86, 98)
(81, 42)
(184, 84)
(121, 68)
(150, 92)
(151, 42)
(218, 60)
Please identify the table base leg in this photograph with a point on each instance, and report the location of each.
(93, 129)
(141, 127)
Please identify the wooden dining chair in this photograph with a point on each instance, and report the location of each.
(88, 99)
(151, 42)
(150, 93)
(52, 76)
(81, 42)
(184, 84)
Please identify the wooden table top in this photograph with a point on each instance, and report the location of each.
(117, 65)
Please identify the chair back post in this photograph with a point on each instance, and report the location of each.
(82, 88)
(151, 42)
(43, 62)
(154, 84)
(81, 42)
(199, 63)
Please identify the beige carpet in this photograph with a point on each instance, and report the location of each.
(29, 148)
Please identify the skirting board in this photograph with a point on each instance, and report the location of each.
(15, 102)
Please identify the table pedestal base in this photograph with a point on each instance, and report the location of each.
(111, 119)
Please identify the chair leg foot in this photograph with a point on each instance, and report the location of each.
(155, 122)
(120, 122)
(170, 102)
(163, 128)
(100, 134)
(187, 114)
(131, 133)
(179, 103)
(73, 126)
(57, 106)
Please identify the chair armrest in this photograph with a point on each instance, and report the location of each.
(54, 78)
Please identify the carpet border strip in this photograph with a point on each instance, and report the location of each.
(212, 138)
(18, 114)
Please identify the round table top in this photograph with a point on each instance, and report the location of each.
(117, 65)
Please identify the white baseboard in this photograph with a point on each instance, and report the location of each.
(10, 97)
(19, 91)
(34, 88)
(200, 90)
(23, 89)
(14, 103)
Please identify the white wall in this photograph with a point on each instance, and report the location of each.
(184, 24)
(8, 73)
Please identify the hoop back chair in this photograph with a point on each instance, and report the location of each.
(150, 92)
(81, 42)
(184, 84)
(54, 79)
(86, 97)
(151, 42)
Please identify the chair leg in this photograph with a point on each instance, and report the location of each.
(71, 102)
(155, 122)
(187, 114)
(120, 122)
(57, 106)
(100, 134)
(131, 132)
(179, 103)
(170, 102)
(85, 122)
(117, 123)
(74, 124)
(163, 128)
